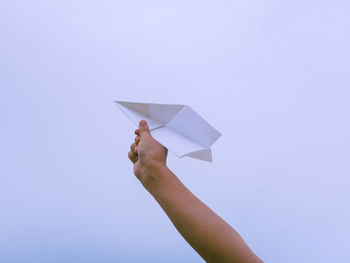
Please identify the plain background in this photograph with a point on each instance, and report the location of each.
(272, 76)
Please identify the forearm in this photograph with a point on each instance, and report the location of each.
(206, 232)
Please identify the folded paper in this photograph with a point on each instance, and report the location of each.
(177, 127)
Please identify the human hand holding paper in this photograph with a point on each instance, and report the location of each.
(146, 154)
(179, 128)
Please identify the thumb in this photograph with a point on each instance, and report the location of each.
(144, 129)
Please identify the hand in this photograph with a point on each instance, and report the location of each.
(146, 153)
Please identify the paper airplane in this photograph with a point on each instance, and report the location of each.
(177, 127)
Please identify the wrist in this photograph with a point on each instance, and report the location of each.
(154, 176)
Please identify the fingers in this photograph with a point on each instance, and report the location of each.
(133, 152)
(132, 157)
(143, 129)
(141, 132)
(133, 148)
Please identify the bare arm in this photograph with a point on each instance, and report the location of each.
(205, 231)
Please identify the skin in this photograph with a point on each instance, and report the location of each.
(207, 233)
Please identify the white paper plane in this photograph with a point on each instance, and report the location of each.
(177, 127)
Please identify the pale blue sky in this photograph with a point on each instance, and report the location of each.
(271, 76)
